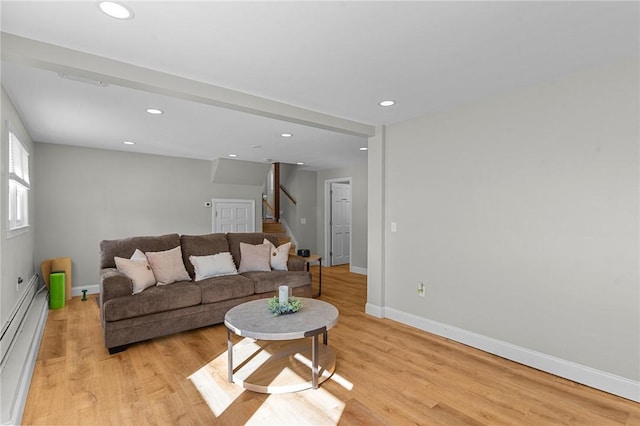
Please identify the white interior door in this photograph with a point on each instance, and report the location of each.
(340, 223)
(234, 215)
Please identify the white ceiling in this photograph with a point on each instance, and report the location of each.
(335, 58)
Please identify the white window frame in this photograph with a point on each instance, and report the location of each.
(19, 185)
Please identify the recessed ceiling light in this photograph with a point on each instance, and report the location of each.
(233, 155)
(300, 163)
(129, 143)
(155, 111)
(364, 148)
(116, 10)
(387, 103)
(286, 135)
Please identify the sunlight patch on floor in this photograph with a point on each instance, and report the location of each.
(335, 376)
(217, 395)
(308, 407)
(212, 382)
(248, 353)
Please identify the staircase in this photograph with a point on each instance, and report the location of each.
(270, 226)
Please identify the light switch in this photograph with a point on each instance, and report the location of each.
(394, 227)
(303, 220)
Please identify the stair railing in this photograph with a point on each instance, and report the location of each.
(268, 206)
(293, 200)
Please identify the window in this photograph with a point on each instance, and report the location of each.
(18, 184)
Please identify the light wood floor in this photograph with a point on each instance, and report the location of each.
(386, 374)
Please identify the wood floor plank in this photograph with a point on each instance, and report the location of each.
(386, 373)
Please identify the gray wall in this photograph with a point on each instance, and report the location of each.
(87, 195)
(240, 192)
(17, 253)
(240, 180)
(520, 214)
(301, 184)
(359, 186)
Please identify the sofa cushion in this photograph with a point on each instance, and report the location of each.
(254, 258)
(253, 238)
(153, 300)
(125, 247)
(225, 288)
(168, 266)
(214, 265)
(201, 245)
(268, 282)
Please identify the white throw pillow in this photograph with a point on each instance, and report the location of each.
(139, 256)
(214, 265)
(168, 266)
(138, 271)
(254, 258)
(279, 255)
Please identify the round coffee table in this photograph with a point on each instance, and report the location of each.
(275, 356)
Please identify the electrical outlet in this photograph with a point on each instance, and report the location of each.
(421, 289)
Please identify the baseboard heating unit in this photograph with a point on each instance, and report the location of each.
(19, 344)
(12, 325)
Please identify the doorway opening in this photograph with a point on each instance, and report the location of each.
(337, 221)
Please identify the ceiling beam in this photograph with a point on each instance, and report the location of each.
(73, 62)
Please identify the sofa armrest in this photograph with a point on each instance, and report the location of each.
(114, 284)
(296, 263)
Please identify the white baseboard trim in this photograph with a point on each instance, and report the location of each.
(357, 270)
(284, 224)
(588, 376)
(91, 289)
(374, 310)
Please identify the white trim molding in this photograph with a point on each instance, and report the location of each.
(357, 270)
(588, 376)
(374, 310)
(91, 289)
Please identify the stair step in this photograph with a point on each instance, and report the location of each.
(284, 239)
(273, 228)
(276, 229)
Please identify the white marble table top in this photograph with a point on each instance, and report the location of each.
(253, 319)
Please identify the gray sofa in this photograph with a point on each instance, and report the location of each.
(162, 310)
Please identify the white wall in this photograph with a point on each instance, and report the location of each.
(87, 195)
(17, 253)
(520, 214)
(359, 187)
